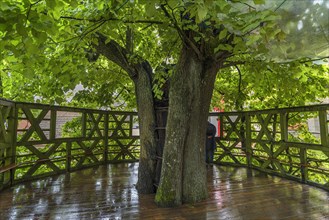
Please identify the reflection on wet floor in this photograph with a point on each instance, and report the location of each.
(108, 192)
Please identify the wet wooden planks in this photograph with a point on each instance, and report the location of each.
(108, 192)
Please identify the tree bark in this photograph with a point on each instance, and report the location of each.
(183, 175)
(147, 123)
(141, 74)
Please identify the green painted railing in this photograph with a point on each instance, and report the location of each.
(277, 141)
(41, 140)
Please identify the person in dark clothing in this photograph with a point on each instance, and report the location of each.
(210, 143)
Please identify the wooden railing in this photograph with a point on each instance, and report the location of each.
(41, 140)
(278, 142)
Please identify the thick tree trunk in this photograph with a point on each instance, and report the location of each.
(147, 123)
(183, 175)
(140, 74)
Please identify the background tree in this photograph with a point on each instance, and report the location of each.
(259, 85)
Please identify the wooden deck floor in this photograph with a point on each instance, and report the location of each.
(108, 192)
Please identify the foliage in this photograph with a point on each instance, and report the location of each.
(72, 128)
(44, 47)
(51, 47)
(262, 84)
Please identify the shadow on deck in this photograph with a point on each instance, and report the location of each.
(108, 192)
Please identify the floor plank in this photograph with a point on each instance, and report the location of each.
(108, 192)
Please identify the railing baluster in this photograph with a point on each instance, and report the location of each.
(106, 137)
(84, 124)
(221, 130)
(284, 126)
(68, 156)
(304, 165)
(53, 116)
(248, 140)
(14, 122)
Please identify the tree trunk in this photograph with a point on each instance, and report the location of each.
(140, 73)
(147, 123)
(183, 175)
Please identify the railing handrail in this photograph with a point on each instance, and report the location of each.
(281, 109)
(59, 107)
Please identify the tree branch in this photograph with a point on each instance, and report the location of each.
(129, 40)
(114, 19)
(244, 3)
(305, 61)
(261, 23)
(222, 55)
(114, 52)
(280, 5)
(181, 33)
(234, 63)
(81, 36)
(240, 78)
(30, 8)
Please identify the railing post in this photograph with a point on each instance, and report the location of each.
(10, 151)
(84, 124)
(221, 129)
(243, 131)
(8, 128)
(68, 156)
(14, 125)
(284, 126)
(324, 134)
(248, 139)
(106, 137)
(53, 115)
(303, 167)
(324, 128)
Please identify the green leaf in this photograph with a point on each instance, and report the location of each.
(40, 36)
(51, 4)
(202, 13)
(197, 39)
(21, 30)
(172, 3)
(222, 34)
(150, 9)
(281, 36)
(223, 47)
(259, 2)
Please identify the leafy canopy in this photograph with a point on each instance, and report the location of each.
(46, 48)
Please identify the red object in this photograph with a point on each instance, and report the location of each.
(217, 109)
